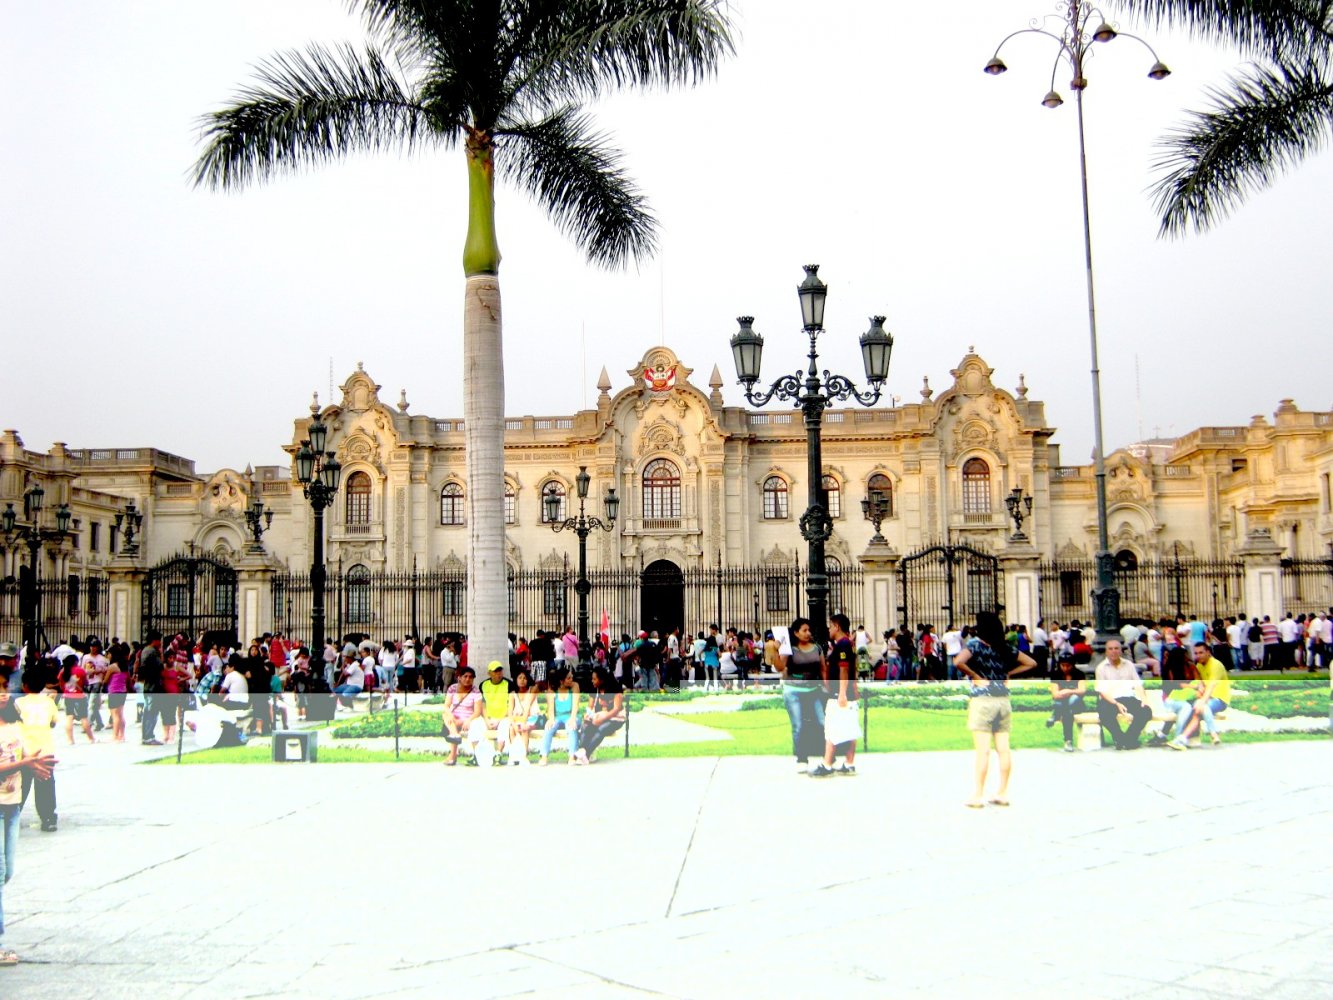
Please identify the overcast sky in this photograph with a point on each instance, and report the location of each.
(860, 135)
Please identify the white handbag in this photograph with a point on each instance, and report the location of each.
(841, 725)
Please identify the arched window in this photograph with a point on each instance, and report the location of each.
(775, 498)
(451, 503)
(358, 499)
(833, 567)
(882, 485)
(976, 487)
(833, 496)
(558, 488)
(511, 501)
(358, 593)
(661, 490)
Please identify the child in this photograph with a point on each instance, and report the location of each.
(13, 762)
(38, 714)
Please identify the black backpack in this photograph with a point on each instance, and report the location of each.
(1256, 634)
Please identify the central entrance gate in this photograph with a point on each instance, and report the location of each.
(191, 594)
(662, 597)
(947, 585)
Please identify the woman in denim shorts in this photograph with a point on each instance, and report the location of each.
(989, 661)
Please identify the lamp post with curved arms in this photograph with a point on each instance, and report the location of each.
(33, 535)
(813, 393)
(319, 472)
(1074, 37)
(582, 526)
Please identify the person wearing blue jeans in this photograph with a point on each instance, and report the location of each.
(803, 693)
(562, 712)
(149, 672)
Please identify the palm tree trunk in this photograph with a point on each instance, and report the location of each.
(483, 415)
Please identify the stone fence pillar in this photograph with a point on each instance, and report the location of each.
(1262, 559)
(880, 562)
(125, 599)
(1022, 584)
(254, 597)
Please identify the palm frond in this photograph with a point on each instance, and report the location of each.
(578, 180)
(307, 108)
(1276, 29)
(1267, 121)
(587, 47)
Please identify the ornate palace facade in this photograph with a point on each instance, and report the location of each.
(702, 485)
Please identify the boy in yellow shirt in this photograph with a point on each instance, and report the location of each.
(38, 715)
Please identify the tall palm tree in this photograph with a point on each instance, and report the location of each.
(1268, 117)
(505, 79)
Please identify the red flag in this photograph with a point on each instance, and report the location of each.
(606, 630)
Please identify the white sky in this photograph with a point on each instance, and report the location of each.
(860, 135)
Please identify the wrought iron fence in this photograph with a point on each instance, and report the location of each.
(394, 604)
(75, 604)
(1307, 585)
(1148, 590)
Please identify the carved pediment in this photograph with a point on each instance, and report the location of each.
(661, 435)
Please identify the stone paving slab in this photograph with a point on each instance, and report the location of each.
(695, 878)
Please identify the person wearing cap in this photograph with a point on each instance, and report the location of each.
(493, 716)
(9, 658)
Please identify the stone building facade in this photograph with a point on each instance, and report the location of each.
(702, 485)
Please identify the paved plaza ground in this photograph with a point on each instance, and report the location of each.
(1203, 874)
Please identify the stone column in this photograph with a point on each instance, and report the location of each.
(880, 562)
(1022, 581)
(125, 598)
(254, 597)
(1262, 559)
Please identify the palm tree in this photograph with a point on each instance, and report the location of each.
(1268, 117)
(503, 78)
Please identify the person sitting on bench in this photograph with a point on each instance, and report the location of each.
(1120, 696)
(353, 680)
(1214, 688)
(606, 712)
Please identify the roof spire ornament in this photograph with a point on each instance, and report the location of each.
(926, 390)
(1022, 387)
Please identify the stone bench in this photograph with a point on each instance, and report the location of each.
(1090, 723)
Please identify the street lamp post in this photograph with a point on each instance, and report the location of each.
(1074, 38)
(813, 393)
(33, 535)
(130, 520)
(582, 526)
(875, 508)
(258, 519)
(319, 472)
(1020, 507)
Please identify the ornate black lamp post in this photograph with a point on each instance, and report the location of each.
(1020, 507)
(129, 520)
(319, 472)
(875, 508)
(1074, 35)
(813, 393)
(33, 535)
(582, 526)
(258, 519)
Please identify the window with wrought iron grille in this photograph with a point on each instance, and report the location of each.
(980, 588)
(559, 490)
(511, 501)
(358, 498)
(553, 598)
(178, 599)
(976, 487)
(1071, 588)
(661, 490)
(776, 591)
(451, 503)
(94, 594)
(833, 568)
(832, 496)
(72, 588)
(452, 599)
(358, 595)
(224, 598)
(883, 486)
(775, 498)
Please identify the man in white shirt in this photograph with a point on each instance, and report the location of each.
(95, 665)
(953, 645)
(354, 679)
(1041, 649)
(235, 690)
(1287, 631)
(1234, 642)
(1120, 698)
(1129, 634)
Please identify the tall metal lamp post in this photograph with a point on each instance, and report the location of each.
(33, 535)
(582, 526)
(319, 472)
(1074, 35)
(812, 393)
